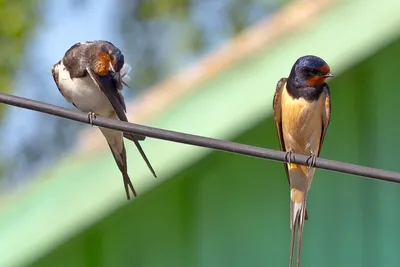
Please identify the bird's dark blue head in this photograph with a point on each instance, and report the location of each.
(117, 59)
(309, 71)
(113, 54)
(106, 58)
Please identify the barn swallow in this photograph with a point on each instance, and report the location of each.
(91, 76)
(302, 111)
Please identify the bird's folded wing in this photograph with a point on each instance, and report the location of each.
(106, 84)
(326, 115)
(278, 118)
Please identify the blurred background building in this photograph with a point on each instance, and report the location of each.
(206, 67)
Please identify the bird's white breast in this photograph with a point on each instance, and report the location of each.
(83, 92)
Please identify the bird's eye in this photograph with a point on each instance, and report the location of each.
(313, 72)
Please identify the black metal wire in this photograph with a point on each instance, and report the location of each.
(199, 140)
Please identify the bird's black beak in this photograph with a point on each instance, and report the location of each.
(116, 76)
(329, 75)
(111, 68)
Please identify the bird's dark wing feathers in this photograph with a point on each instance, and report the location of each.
(326, 116)
(108, 87)
(278, 118)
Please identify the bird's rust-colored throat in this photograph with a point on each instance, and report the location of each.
(315, 81)
(102, 65)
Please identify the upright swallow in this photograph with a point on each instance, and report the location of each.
(302, 111)
(90, 76)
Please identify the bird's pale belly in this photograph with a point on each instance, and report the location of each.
(302, 125)
(85, 95)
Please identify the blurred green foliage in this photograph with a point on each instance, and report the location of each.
(18, 19)
(151, 9)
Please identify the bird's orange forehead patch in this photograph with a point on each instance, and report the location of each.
(102, 64)
(324, 69)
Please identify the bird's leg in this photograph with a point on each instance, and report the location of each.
(91, 117)
(289, 157)
(311, 160)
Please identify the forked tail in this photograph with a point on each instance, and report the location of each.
(139, 147)
(297, 217)
(128, 185)
(120, 159)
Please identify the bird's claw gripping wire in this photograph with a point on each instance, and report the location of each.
(289, 157)
(311, 161)
(91, 117)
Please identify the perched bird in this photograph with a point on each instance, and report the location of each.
(302, 111)
(90, 76)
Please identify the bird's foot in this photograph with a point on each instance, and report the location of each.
(289, 157)
(311, 161)
(91, 117)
